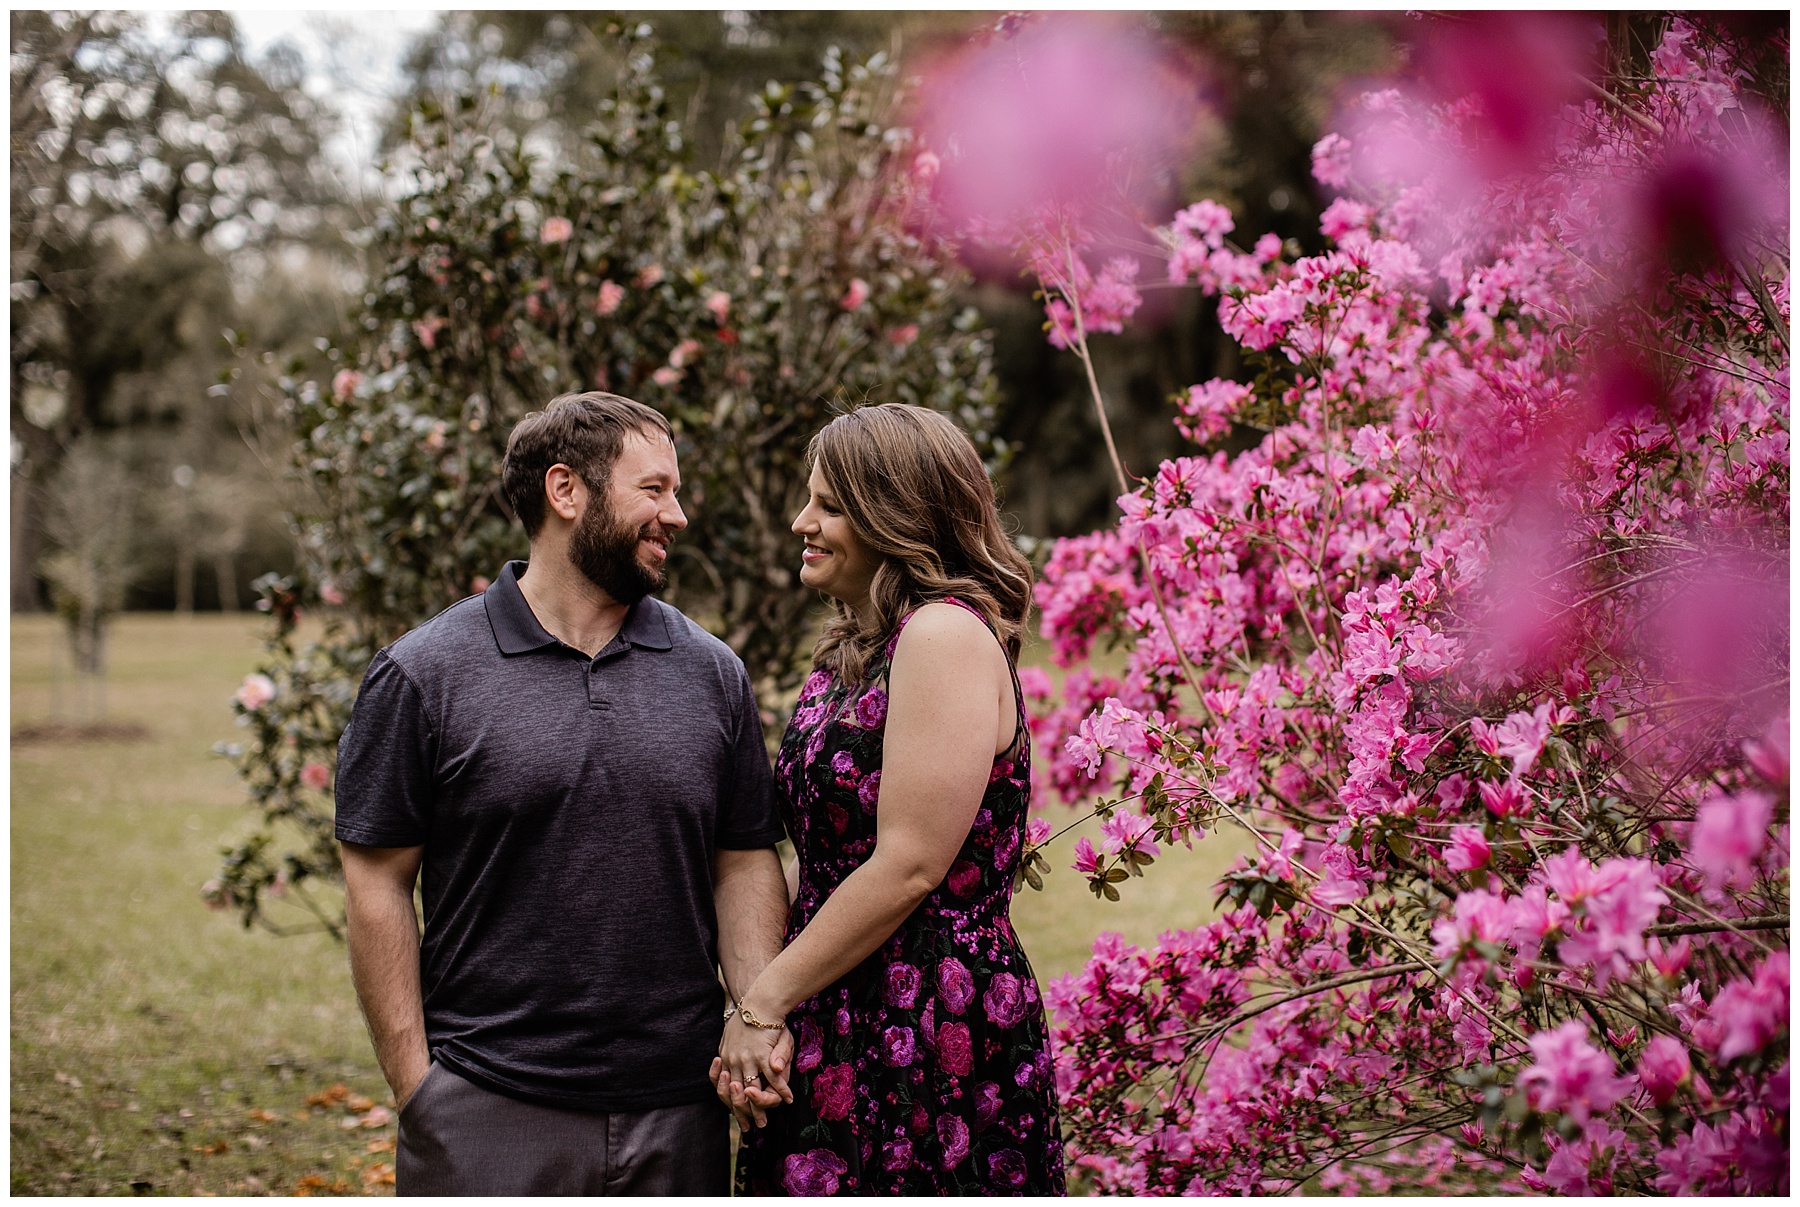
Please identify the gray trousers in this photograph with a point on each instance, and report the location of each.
(457, 1138)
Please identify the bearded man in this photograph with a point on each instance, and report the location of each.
(578, 770)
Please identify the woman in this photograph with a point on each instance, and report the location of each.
(921, 1061)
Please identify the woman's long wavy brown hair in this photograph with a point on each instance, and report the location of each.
(917, 496)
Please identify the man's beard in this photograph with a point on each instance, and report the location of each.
(606, 552)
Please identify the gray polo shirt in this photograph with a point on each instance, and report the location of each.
(569, 809)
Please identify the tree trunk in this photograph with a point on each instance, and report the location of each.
(225, 566)
(26, 596)
(184, 573)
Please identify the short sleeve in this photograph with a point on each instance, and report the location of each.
(747, 818)
(385, 762)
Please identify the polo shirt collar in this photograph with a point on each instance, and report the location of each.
(517, 631)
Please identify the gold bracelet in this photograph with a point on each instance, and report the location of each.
(749, 1019)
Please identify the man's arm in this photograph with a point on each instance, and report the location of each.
(750, 895)
(384, 958)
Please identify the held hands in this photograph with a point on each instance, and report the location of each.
(750, 1074)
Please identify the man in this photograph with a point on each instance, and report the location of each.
(579, 771)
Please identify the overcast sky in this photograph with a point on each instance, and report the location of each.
(355, 58)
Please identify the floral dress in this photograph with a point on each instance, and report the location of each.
(926, 1069)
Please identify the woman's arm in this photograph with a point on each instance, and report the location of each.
(947, 692)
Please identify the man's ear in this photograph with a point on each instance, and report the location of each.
(565, 491)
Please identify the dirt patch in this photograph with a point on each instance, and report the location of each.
(96, 731)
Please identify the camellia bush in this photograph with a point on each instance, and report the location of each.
(1483, 640)
(744, 303)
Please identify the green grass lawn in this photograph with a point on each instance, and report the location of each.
(157, 1047)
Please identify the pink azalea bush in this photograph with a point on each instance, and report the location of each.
(1484, 641)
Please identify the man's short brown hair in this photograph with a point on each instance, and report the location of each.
(585, 432)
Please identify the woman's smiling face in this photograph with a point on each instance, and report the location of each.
(833, 560)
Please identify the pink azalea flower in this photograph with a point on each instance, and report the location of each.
(331, 593)
(1729, 833)
(555, 230)
(1468, 849)
(667, 376)
(856, 295)
(1570, 1075)
(1128, 831)
(1037, 831)
(1087, 860)
(684, 353)
(1768, 755)
(903, 335)
(718, 304)
(1663, 1068)
(315, 775)
(478, 585)
(1747, 1014)
(344, 383)
(611, 294)
(649, 276)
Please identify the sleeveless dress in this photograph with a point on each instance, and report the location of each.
(926, 1069)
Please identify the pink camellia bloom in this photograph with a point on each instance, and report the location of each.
(856, 295)
(718, 304)
(611, 294)
(1468, 849)
(667, 376)
(555, 230)
(257, 690)
(684, 353)
(315, 775)
(1571, 1075)
(1663, 1068)
(903, 336)
(344, 383)
(1729, 833)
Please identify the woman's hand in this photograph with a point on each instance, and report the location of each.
(750, 1074)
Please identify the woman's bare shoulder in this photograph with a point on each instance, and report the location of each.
(943, 633)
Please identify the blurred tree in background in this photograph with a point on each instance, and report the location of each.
(164, 188)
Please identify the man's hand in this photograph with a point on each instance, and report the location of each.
(384, 958)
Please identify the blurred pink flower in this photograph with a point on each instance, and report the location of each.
(904, 335)
(315, 775)
(611, 294)
(925, 166)
(1768, 755)
(555, 230)
(427, 328)
(1037, 830)
(344, 383)
(684, 353)
(667, 376)
(1729, 833)
(1048, 113)
(331, 593)
(257, 690)
(650, 275)
(478, 585)
(1663, 1068)
(718, 304)
(856, 295)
